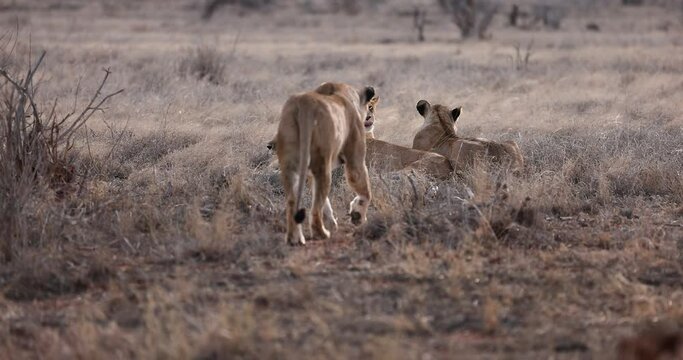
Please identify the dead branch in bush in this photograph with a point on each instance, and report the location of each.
(89, 110)
(521, 59)
(117, 138)
(35, 148)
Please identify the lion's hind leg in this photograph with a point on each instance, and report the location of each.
(290, 181)
(322, 178)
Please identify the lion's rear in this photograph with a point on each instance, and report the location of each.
(287, 138)
(313, 128)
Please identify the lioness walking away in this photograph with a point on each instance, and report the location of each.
(317, 130)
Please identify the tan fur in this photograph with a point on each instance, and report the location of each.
(388, 157)
(438, 134)
(318, 129)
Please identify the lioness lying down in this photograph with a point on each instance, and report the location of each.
(318, 130)
(384, 156)
(438, 134)
(388, 157)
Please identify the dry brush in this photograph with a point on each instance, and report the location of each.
(36, 144)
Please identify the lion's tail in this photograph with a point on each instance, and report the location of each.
(305, 134)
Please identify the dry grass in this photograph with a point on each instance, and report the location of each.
(173, 246)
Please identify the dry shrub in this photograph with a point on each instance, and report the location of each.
(471, 16)
(522, 57)
(550, 16)
(236, 222)
(213, 5)
(149, 149)
(204, 64)
(35, 148)
(212, 232)
(569, 171)
(156, 325)
(508, 212)
(405, 202)
(416, 210)
(530, 16)
(349, 7)
(39, 276)
(235, 330)
(576, 166)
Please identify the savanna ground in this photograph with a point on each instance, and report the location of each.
(169, 241)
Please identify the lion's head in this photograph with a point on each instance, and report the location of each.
(439, 114)
(369, 122)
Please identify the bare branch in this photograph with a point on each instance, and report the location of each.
(117, 141)
(93, 105)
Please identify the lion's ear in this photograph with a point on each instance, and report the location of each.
(456, 112)
(422, 107)
(326, 88)
(369, 93)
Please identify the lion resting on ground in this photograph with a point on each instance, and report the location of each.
(317, 130)
(386, 156)
(437, 134)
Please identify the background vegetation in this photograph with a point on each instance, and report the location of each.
(156, 229)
